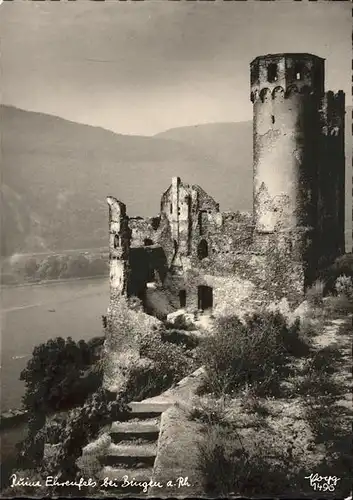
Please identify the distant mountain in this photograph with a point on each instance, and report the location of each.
(226, 151)
(56, 175)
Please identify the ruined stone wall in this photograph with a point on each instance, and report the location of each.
(215, 246)
(144, 231)
(119, 248)
(216, 250)
(251, 278)
(298, 204)
(331, 176)
(125, 330)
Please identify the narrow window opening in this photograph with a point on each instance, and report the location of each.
(175, 246)
(272, 119)
(203, 222)
(171, 208)
(298, 71)
(202, 250)
(200, 223)
(116, 241)
(272, 75)
(182, 298)
(147, 242)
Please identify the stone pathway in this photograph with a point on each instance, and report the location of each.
(130, 451)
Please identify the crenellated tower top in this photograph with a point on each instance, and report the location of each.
(298, 72)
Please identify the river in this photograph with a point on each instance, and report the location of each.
(32, 314)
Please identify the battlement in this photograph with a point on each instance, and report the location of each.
(291, 72)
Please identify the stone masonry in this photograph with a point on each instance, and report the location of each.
(203, 259)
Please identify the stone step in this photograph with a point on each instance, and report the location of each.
(112, 479)
(143, 429)
(130, 454)
(146, 410)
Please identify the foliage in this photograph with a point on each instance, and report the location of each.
(58, 374)
(253, 404)
(211, 412)
(229, 467)
(339, 305)
(343, 265)
(179, 337)
(251, 354)
(81, 425)
(171, 362)
(314, 294)
(52, 267)
(344, 286)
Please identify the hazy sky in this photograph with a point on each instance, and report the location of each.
(144, 67)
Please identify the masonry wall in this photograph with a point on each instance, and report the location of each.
(331, 177)
(119, 248)
(193, 251)
(223, 253)
(285, 131)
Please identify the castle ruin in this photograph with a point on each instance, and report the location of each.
(201, 258)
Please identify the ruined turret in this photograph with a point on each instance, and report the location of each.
(119, 248)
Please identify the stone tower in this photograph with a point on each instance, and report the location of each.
(293, 156)
(119, 248)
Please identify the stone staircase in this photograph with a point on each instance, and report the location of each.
(130, 451)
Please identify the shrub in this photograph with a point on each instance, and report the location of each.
(228, 467)
(211, 412)
(53, 428)
(171, 362)
(327, 359)
(179, 337)
(318, 383)
(344, 286)
(310, 328)
(314, 294)
(60, 374)
(249, 355)
(343, 265)
(254, 405)
(215, 462)
(317, 380)
(339, 305)
(82, 424)
(56, 375)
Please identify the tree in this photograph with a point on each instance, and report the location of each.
(60, 374)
